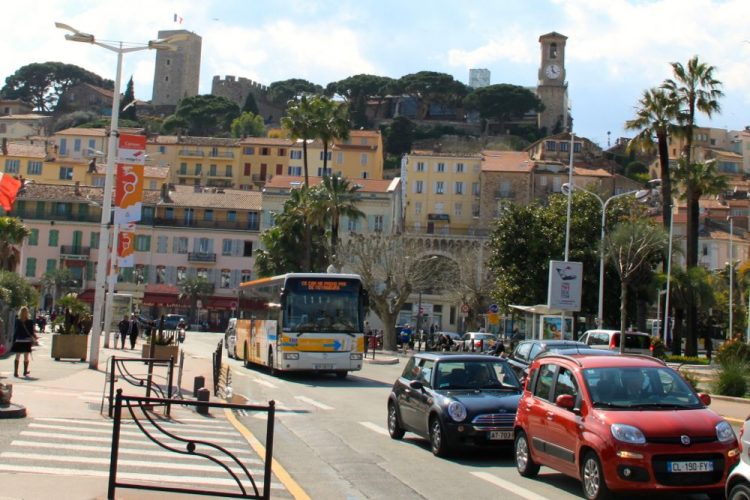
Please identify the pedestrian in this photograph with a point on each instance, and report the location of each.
(132, 330)
(498, 349)
(24, 337)
(122, 326)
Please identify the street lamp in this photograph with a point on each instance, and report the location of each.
(731, 272)
(101, 265)
(640, 195)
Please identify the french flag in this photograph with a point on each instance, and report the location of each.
(177, 19)
(9, 187)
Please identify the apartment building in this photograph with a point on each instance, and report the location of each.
(184, 232)
(262, 158)
(359, 157)
(204, 161)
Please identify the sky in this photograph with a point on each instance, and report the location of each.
(615, 50)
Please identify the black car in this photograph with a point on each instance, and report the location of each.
(527, 350)
(455, 399)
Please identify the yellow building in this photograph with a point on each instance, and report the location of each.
(262, 158)
(359, 157)
(204, 161)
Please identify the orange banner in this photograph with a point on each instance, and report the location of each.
(128, 193)
(126, 246)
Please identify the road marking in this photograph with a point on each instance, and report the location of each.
(106, 439)
(286, 479)
(193, 435)
(375, 427)
(169, 425)
(508, 486)
(265, 383)
(248, 457)
(312, 402)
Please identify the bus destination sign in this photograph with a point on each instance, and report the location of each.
(324, 285)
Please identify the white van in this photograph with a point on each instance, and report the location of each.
(635, 342)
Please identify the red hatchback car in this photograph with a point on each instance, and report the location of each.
(621, 423)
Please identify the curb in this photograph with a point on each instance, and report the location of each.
(382, 361)
(730, 398)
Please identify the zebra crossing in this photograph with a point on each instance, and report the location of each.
(81, 447)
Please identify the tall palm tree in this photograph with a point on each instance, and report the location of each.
(12, 233)
(302, 205)
(687, 288)
(300, 123)
(337, 198)
(698, 180)
(332, 123)
(655, 118)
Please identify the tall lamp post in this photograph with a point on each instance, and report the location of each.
(731, 274)
(639, 195)
(101, 265)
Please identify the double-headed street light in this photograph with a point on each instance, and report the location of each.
(101, 265)
(640, 195)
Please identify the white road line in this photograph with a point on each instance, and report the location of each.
(245, 454)
(179, 424)
(265, 383)
(312, 402)
(187, 433)
(135, 463)
(107, 439)
(508, 486)
(375, 427)
(131, 476)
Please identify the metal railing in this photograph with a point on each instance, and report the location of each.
(119, 371)
(217, 367)
(243, 484)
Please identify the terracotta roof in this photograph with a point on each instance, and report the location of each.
(101, 90)
(363, 133)
(67, 193)
(26, 150)
(290, 181)
(30, 116)
(274, 141)
(506, 161)
(591, 172)
(186, 196)
(98, 132)
(148, 171)
(724, 152)
(194, 141)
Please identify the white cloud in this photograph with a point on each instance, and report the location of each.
(513, 44)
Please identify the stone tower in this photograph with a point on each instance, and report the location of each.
(552, 88)
(177, 73)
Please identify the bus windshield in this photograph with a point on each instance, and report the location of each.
(322, 305)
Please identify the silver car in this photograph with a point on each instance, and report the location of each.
(738, 482)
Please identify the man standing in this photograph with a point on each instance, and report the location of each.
(133, 331)
(123, 327)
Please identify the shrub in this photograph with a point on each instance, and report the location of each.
(690, 378)
(733, 351)
(731, 379)
(690, 360)
(657, 347)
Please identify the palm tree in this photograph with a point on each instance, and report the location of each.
(336, 198)
(300, 123)
(687, 288)
(194, 288)
(698, 180)
(332, 123)
(12, 233)
(60, 281)
(631, 248)
(654, 118)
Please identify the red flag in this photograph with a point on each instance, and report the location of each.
(8, 191)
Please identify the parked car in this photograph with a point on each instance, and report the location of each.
(738, 483)
(172, 320)
(635, 342)
(230, 337)
(453, 400)
(527, 350)
(621, 424)
(477, 341)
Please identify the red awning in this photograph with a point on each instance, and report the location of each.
(221, 303)
(160, 299)
(87, 295)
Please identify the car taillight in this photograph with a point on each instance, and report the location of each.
(612, 344)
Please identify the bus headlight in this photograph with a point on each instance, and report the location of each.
(355, 356)
(291, 355)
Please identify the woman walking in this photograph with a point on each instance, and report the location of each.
(24, 337)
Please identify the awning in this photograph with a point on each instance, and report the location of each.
(160, 299)
(221, 303)
(87, 296)
(539, 309)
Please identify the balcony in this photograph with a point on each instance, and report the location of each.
(48, 215)
(201, 257)
(74, 252)
(194, 153)
(258, 178)
(185, 173)
(207, 224)
(222, 154)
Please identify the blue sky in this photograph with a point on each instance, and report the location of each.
(615, 50)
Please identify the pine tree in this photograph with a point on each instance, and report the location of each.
(128, 98)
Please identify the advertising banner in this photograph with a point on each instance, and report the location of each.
(126, 246)
(131, 157)
(564, 286)
(552, 328)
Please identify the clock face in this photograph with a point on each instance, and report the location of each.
(553, 71)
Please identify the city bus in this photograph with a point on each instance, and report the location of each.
(302, 322)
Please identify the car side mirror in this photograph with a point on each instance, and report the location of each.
(416, 385)
(705, 398)
(566, 401)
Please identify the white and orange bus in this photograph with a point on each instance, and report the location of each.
(302, 322)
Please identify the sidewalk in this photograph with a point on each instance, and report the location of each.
(70, 389)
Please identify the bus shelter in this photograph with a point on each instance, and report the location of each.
(542, 322)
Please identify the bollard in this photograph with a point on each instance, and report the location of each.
(203, 396)
(198, 383)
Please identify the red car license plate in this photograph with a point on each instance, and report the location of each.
(692, 466)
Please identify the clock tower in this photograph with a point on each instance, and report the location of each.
(552, 89)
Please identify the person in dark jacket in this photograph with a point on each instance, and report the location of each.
(24, 337)
(133, 330)
(122, 326)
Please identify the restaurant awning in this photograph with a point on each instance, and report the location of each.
(87, 296)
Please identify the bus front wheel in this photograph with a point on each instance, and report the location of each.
(342, 374)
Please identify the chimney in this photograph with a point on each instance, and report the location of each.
(5, 146)
(78, 188)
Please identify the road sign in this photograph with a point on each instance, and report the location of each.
(465, 308)
(494, 308)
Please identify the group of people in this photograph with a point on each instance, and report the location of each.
(128, 328)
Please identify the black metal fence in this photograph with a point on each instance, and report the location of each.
(217, 367)
(243, 483)
(158, 384)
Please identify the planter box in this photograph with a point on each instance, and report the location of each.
(162, 352)
(69, 346)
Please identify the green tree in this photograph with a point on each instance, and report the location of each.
(248, 125)
(203, 116)
(503, 102)
(430, 87)
(332, 122)
(127, 104)
(250, 106)
(59, 281)
(300, 123)
(336, 197)
(280, 93)
(357, 90)
(654, 118)
(697, 180)
(12, 234)
(631, 248)
(194, 288)
(42, 84)
(687, 288)
(15, 292)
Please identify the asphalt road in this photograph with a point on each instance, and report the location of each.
(331, 436)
